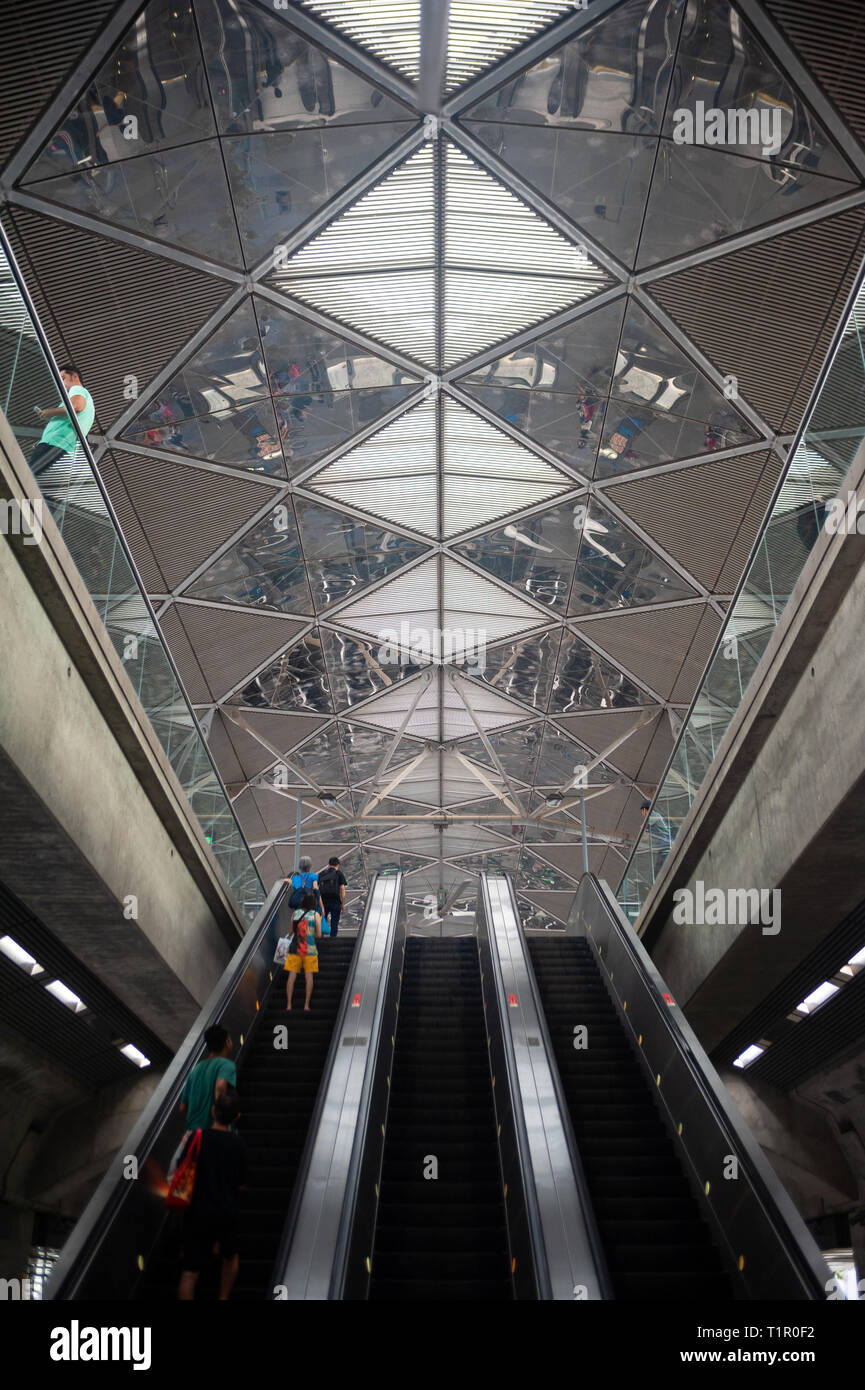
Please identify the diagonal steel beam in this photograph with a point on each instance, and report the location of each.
(434, 19)
(457, 684)
(395, 781)
(423, 685)
(352, 55)
(490, 786)
(529, 53)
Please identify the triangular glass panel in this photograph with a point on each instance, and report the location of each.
(179, 196)
(596, 80)
(359, 669)
(751, 108)
(270, 392)
(662, 407)
(278, 180)
(374, 266)
(264, 569)
(580, 132)
(700, 196)
(522, 670)
(586, 680)
(296, 680)
(149, 95)
(577, 558)
(506, 268)
(659, 406)
(320, 760)
(554, 388)
(343, 554)
(296, 82)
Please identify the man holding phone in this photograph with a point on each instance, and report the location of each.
(59, 437)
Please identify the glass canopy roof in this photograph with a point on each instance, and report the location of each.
(441, 353)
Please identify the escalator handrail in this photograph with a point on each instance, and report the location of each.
(785, 1221)
(82, 1247)
(533, 1214)
(590, 1220)
(284, 1250)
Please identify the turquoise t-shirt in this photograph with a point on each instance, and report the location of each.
(60, 431)
(198, 1091)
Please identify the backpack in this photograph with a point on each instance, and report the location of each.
(299, 889)
(298, 944)
(328, 882)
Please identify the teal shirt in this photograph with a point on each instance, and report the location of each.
(198, 1091)
(60, 431)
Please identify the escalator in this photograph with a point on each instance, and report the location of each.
(656, 1244)
(278, 1089)
(445, 1236)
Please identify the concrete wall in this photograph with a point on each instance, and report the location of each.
(91, 811)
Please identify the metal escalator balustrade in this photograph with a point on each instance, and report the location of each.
(122, 1246)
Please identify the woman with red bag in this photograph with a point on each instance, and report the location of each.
(210, 1222)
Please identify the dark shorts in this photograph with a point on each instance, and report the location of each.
(198, 1243)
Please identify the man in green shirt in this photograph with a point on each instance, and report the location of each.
(208, 1079)
(59, 436)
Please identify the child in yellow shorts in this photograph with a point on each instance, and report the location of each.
(302, 949)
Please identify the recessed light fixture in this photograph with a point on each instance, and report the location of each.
(19, 956)
(817, 997)
(135, 1056)
(66, 996)
(750, 1055)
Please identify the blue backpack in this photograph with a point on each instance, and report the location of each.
(301, 884)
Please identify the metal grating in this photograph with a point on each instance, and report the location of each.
(185, 511)
(388, 28)
(38, 50)
(142, 307)
(830, 39)
(765, 313)
(654, 641)
(480, 35)
(229, 642)
(697, 514)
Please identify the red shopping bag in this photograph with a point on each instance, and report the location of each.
(183, 1183)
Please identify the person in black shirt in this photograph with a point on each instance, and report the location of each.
(212, 1216)
(331, 885)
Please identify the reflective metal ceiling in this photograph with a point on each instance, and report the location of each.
(438, 479)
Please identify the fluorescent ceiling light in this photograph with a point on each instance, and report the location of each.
(66, 996)
(135, 1056)
(817, 997)
(858, 959)
(19, 956)
(749, 1055)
